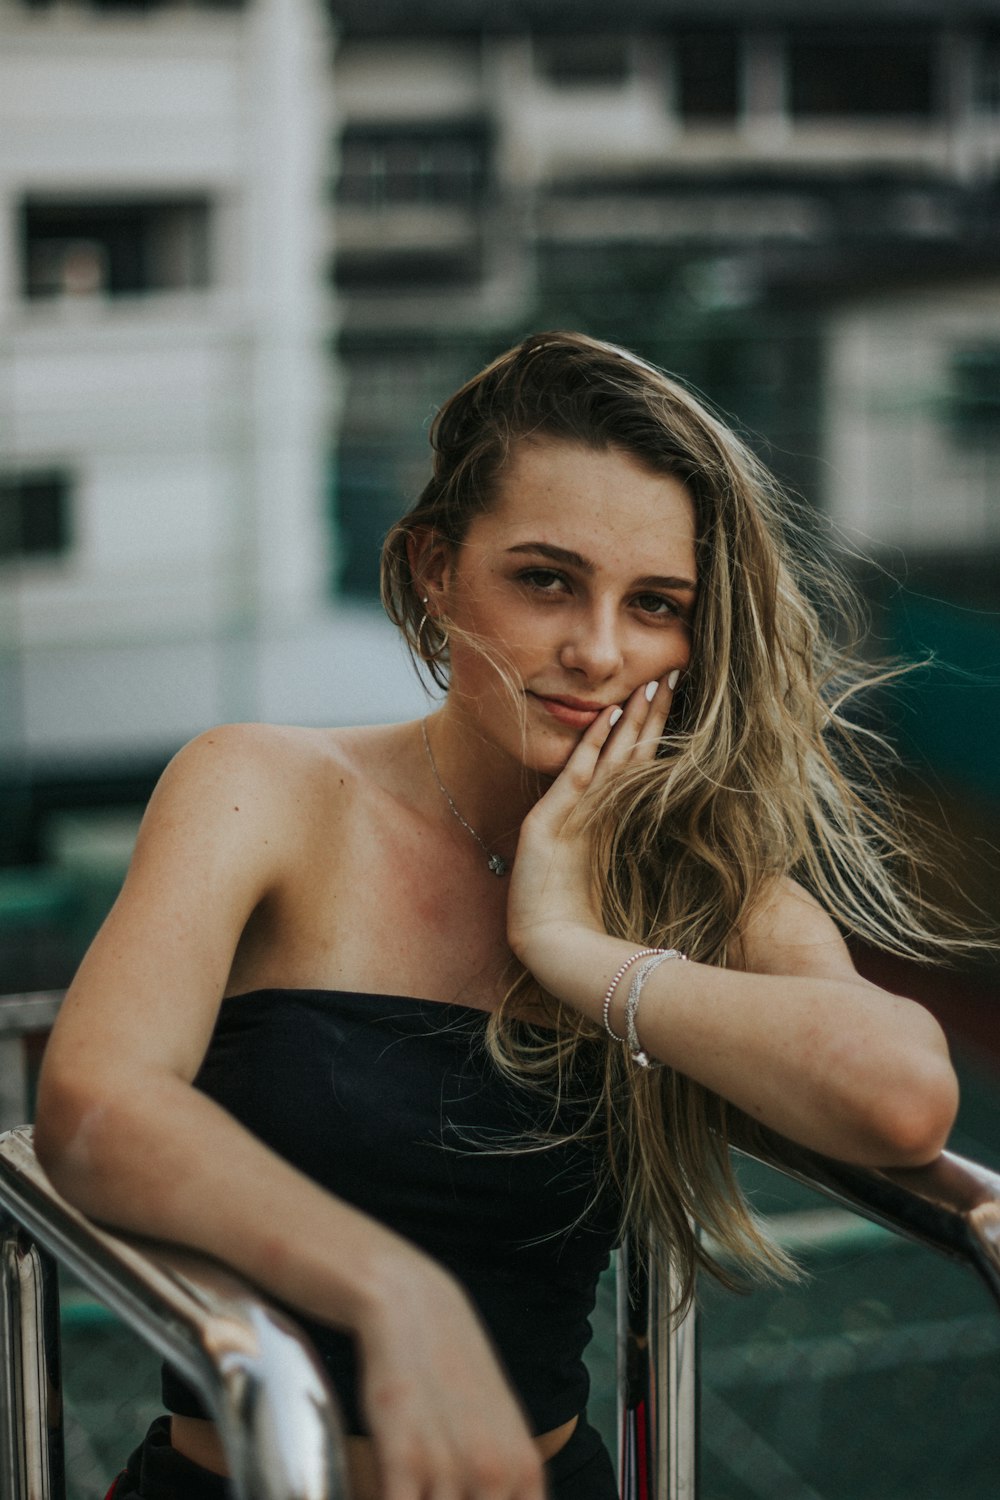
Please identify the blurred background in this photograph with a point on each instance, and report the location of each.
(246, 248)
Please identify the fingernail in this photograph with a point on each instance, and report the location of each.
(651, 691)
(616, 714)
(673, 679)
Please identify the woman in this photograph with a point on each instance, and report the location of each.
(403, 948)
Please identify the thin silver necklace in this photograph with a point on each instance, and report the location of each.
(496, 862)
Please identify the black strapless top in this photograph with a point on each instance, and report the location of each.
(393, 1104)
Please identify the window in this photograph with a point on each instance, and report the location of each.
(34, 514)
(415, 164)
(987, 78)
(410, 270)
(707, 67)
(974, 398)
(584, 61)
(113, 248)
(859, 74)
(393, 388)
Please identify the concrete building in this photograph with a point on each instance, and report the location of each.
(239, 267)
(167, 396)
(719, 184)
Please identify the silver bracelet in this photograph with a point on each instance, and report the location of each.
(639, 1054)
(606, 1012)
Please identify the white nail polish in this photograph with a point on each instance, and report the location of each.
(673, 679)
(651, 691)
(616, 714)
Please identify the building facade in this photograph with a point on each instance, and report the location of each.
(724, 186)
(167, 393)
(245, 250)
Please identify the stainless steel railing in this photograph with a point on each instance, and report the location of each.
(951, 1206)
(257, 1374)
(20, 1015)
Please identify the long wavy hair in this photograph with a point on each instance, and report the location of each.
(762, 772)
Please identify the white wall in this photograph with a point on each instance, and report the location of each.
(198, 423)
(898, 471)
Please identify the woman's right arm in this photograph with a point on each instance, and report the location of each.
(125, 1136)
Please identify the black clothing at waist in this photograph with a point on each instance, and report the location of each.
(582, 1470)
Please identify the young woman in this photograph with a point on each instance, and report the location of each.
(349, 1025)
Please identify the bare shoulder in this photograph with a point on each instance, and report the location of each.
(269, 764)
(267, 786)
(790, 933)
(231, 822)
(259, 752)
(236, 799)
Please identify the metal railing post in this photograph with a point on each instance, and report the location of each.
(20, 1015)
(31, 1436)
(263, 1383)
(673, 1354)
(657, 1384)
(952, 1206)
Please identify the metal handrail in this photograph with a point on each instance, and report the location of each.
(20, 1016)
(277, 1416)
(35, 1010)
(951, 1206)
(282, 1438)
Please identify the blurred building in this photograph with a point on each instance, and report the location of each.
(167, 392)
(794, 205)
(167, 414)
(749, 192)
(239, 267)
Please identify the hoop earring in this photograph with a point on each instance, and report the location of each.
(424, 652)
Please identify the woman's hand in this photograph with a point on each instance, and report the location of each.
(553, 892)
(444, 1421)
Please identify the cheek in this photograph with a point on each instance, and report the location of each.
(671, 653)
(478, 674)
(515, 635)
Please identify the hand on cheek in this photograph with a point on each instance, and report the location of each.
(552, 883)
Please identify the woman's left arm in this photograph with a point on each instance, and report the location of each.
(793, 1036)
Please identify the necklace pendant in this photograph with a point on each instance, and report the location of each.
(497, 865)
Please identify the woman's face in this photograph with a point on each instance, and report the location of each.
(582, 578)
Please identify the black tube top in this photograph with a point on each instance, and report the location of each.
(393, 1104)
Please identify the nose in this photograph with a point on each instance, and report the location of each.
(592, 646)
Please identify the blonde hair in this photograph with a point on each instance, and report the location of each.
(760, 775)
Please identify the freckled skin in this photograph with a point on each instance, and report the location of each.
(592, 630)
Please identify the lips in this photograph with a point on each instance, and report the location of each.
(574, 712)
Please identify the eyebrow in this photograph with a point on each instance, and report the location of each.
(576, 560)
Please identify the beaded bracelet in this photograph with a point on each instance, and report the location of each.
(639, 1054)
(606, 1011)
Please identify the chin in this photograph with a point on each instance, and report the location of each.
(549, 758)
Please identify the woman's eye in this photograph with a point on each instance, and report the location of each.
(656, 604)
(545, 580)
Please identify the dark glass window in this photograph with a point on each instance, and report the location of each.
(443, 164)
(113, 248)
(367, 505)
(414, 269)
(392, 390)
(707, 69)
(974, 400)
(584, 61)
(34, 514)
(883, 73)
(987, 87)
